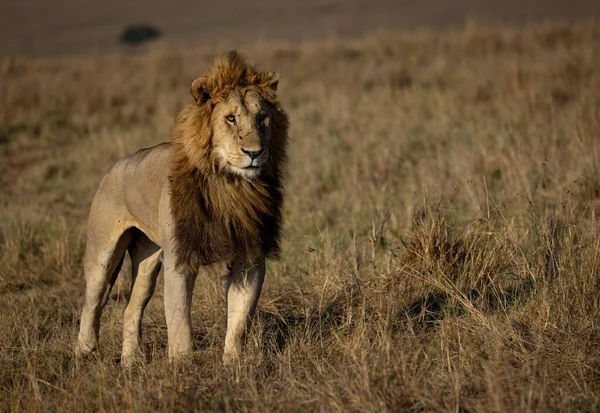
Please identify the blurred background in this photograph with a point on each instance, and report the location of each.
(441, 247)
(44, 28)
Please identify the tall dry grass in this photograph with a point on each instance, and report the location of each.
(441, 243)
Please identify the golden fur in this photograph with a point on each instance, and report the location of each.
(214, 194)
(220, 215)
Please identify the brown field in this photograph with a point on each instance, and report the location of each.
(442, 249)
(64, 27)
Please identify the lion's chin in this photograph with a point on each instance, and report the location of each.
(249, 172)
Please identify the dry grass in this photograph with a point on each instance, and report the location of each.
(442, 251)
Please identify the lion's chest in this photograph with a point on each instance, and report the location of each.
(215, 226)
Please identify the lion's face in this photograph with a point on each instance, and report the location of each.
(241, 132)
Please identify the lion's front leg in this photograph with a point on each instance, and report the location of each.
(243, 289)
(178, 301)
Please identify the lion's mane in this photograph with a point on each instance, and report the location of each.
(220, 216)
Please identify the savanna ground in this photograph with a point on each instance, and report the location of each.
(441, 251)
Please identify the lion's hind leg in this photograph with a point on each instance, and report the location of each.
(146, 259)
(103, 259)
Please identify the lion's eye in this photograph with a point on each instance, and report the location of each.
(262, 117)
(230, 118)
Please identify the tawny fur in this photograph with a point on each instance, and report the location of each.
(220, 215)
(214, 194)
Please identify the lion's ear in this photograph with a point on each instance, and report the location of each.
(272, 80)
(199, 90)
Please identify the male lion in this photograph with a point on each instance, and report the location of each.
(213, 194)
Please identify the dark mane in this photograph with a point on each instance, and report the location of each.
(219, 216)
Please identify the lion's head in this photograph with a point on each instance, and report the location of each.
(240, 124)
(228, 150)
(237, 120)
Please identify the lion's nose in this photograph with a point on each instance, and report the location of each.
(252, 154)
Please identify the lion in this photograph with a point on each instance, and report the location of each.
(213, 194)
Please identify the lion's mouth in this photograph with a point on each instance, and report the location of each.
(250, 171)
(249, 167)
